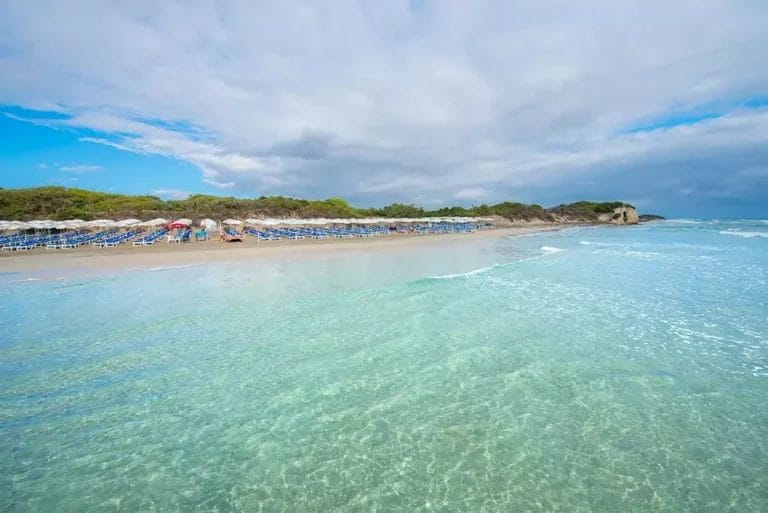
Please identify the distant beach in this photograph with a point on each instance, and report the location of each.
(89, 258)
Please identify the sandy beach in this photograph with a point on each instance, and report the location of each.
(86, 259)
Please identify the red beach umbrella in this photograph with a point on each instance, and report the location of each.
(180, 223)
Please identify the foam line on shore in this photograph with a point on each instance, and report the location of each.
(466, 274)
(479, 271)
(746, 235)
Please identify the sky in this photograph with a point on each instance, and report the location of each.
(660, 104)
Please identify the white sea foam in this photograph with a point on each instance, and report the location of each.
(643, 254)
(480, 270)
(24, 280)
(605, 244)
(464, 275)
(160, 268)
(746, 235)
(626, 252)
(169, 267)
(551, 249)
(687, 221)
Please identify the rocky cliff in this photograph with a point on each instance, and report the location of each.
(621, 215)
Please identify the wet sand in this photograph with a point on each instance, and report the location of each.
(88, 258)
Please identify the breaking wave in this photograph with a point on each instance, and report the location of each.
(746, 235)
(476, 272)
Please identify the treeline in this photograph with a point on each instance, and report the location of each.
(59, 203)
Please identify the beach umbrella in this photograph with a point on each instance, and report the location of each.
(45, 224)
(99, 223)
(154, 222)
(232, 222)
(181, 223)
(208, 224)
(17, 225)
(125, 223)
(73, 223)
(8, 225)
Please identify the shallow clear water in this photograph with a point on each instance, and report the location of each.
(591, 369)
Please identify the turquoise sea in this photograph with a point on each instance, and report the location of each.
(586, 370)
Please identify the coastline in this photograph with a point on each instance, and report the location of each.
(161, 254)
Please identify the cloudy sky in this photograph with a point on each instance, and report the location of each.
(663, 104)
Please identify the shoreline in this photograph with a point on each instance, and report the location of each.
(162, 254)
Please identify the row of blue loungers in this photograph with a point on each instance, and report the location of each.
(352, 232)
(151, 238)
(111, 238)
(116, 239)
(447, 228)
(315, 233)
(104, 239)
(23, 242)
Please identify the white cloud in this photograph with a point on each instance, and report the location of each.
(171, 193)
(398, 100)
(80, 168)
(471, 193)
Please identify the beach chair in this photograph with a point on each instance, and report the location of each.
(229, 235)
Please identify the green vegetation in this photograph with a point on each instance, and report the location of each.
(585, 210)
(59, 203)
(599, 208)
